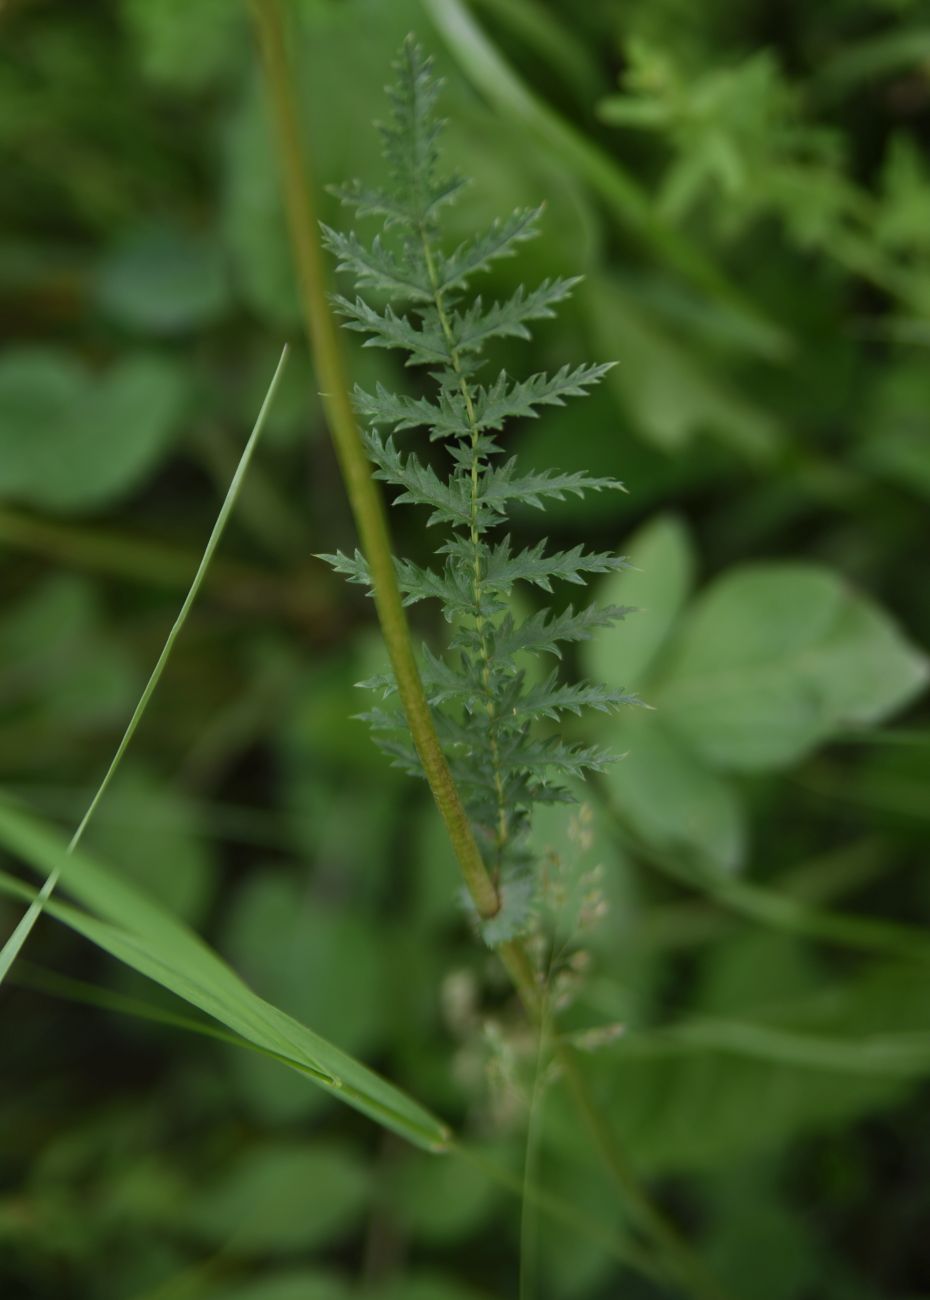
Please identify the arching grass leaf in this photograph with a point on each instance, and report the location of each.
(131, 927)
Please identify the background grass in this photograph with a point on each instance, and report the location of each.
(750, 205)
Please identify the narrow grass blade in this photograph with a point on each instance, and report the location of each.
(14, 943)
(120, 919)
(781, 911)
(899, 1055)
(43, 980)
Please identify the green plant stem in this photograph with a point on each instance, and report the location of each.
(374, 536)
(529, 1219)
(681, 1260)
(366, 504)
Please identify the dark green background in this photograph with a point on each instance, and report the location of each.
(753, 221)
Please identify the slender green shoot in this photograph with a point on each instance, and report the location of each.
(529, 1211)
(13, 946)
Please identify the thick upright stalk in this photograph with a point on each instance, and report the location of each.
(364, 499)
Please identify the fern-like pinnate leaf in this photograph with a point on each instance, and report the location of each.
(499, 240)
(472, 327)
(541, 568)
(544, 633)
(504, 401)
(494, 723)
(376, 265)
(425, 344)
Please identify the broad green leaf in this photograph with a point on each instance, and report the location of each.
(874, 670)
(142, 934)
(670, 798)
(282, 1198)
(774, 659)
(656, 586)
(163, 280)
(72, 441)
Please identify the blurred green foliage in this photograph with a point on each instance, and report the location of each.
(746, 189)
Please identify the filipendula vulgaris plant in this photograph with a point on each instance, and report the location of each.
(490, 720)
